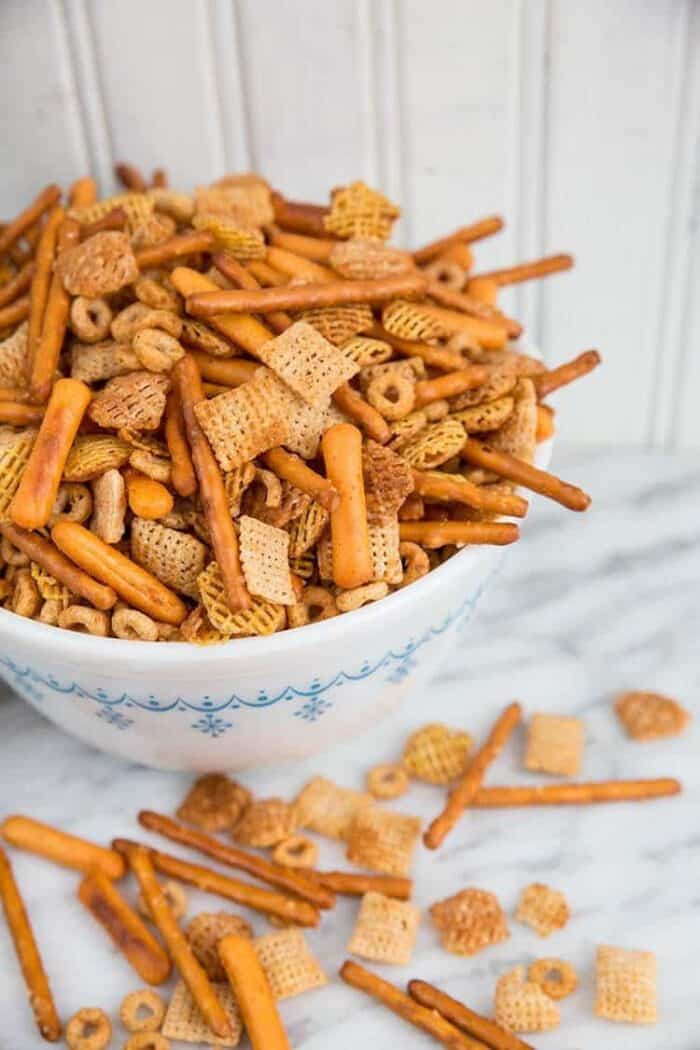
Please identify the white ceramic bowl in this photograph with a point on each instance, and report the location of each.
(255, 700)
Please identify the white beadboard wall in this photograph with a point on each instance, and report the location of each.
(578, 121)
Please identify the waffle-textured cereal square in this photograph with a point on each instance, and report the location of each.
(247, 420)
(289, 964)
(384, 543)
(383, 840)
(265, 823)
(205, 931)
(329, 809)
(626, 985)
(521, 1005)
(385, 930)
(176, 558)
(470, 921)
(305, 530)
(102, 264)
(388, 481)
(437, 754)
(434, 444)
(554, 745)
(543, 908)
(363, 258)
(184, 1021)
(262, 617)
(308, 363)
(214, 803)
(265, 561)
(13, 357)
(135, 401)
(337, 324)
(15, 448)
(359, 211)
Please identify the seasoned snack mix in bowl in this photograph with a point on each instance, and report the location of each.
(250, 435)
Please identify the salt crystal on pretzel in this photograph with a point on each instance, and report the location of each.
(311, 365)
(470, 921)
(262, 617)
(15, 449)
(265, 561)
(339, 323)
(96, 267)
(98, 361)
(383, 840)
(388, 481)
(135, 401)
(289, 965)
(434, 444)
(177, 559)
(184, 1021)
(14, 357)
(247, 420)
(329, 809)
(385, 930)
(359, 211)
(363, 258)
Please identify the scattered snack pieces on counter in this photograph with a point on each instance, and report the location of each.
(385, 930)
(225, 413)
(651, 716)
(554, 745)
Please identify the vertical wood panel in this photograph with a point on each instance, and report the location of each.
(303, 79)
(614, 90)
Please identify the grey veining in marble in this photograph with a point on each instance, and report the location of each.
(587, 605)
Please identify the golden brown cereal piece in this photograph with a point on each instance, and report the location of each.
(198, 336)
(385, 930)
(500, 383)
(447, 273)
(214, 803)
(522, 1006)
(289, 965)
(647, 716)
(297, 851)
(311, 365)
(89, 1029)
(184, 1021)
(100, 265)
(384, 547)
(142, 1011)
(73, 503)
(26, 600)
(14, 453)
(236, 481)
(348, 601)
(109, 491)
(138, 206)
(359, 211)
(135, 401)
(180, 206)
(262, 617)
(205, 931)
(247, 420)
(404, 430)
(388, 781)
(518, 435)
(90, 319)
(242, 241)
(436, 753)
(626, 985)
(175, 896)
(382, 840)
(155, 230)
(415, 561)
(365, 351)
(337, 324)
(328, 809)
(157, 295)
(316, 604)
(470, 921)
(134, 626)
(556, 978)
(147, 1041)
(101, 361)
(408, 321)
(198, 629)
(246, 205)
(265, 823)
(137, 316)
(305, 530)
(93, 454)
(554, 745)
(485, 417)
(543, 908)
(13, 357)
(177, 559)
(388, 481)
(156, 350)
(392, 394)
(49, 588)
(435, 444)
(85, 620)
(265, 561)
(363, 258)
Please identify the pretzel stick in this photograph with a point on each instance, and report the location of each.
(15, 393)
(83, 192)
(450, 384)
(295, 266)
(55, 320)
(268, 902)
(134, 584)
(242, 278)
(212, 493)
(50, 558)
(16, 312)
(435, 534)
(125, 927)
(433, 356)
(576, 794)
(226, 371)
(448, 488)
(316, 248)
(33, 502)
(309, 296)
(465, 1019)
(116, 219)
(462, 794)
(242, 329)
(213, 389)
(159, 178)
(545, 423)
(351, 884)
(266, 276)
(18, 414)
(459, 253)
(352, 558)
(300, 217)
(19, 226)
(526, 271)
(289, 879)
(41, 282)
(484, 290)
(468, 305)
(176, 247)
(27, 952)
(481, 455)
(294, 470)
(488, 335)
(547, 382)
(365, 415)
(19, 283)
(182, 472)
(67, 850)
(130, 177)
(253, 995)
(401, 1004)
(182, 955)
(464, 235)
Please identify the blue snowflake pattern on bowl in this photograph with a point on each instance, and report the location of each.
(212, 725)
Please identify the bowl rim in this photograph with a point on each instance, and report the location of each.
(73, 645)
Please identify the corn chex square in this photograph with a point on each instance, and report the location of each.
(262, 617)
(328, 809)
(384, 543)
(175, 558)
(14, 452)
(554, 745)
(388, 481)
(543, 908)
(289, 965)
(383, 840)
(265, 561)
(184, 1021)
(308, 363)
(385, 930)
(521, 1005)
(245, 421)
(626, 985)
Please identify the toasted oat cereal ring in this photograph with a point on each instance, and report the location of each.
(320, 604)
(89, 1029)
(393, 395)
(355, 598)
(90, 319)
(134, 626)
(157, 350)
(447, 272)
(296, 852)
(415, 561)
(147, 1041)
(83, 619)
(556, 978)
(73, 503)
(142, 1011)
(389, 781)
(175, 897)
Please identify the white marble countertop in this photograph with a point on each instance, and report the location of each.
(586, 606)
